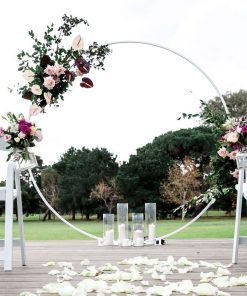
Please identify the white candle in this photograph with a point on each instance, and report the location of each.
(121, 233)
(109, 237)
(138, 234)
(126, 242)
(151, 233)
(139, 242)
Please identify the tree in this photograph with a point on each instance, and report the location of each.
(80, 170)
(106, 192)
(49, 183)
(182, 184)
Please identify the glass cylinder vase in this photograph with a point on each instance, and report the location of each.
(150, 222)
(122, 227)
(108, 229)
(138, 229)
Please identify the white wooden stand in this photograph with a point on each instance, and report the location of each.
(242, 179)
(8, 194)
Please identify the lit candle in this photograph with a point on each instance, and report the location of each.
(121, 233)
(151, 233)
(109, 237)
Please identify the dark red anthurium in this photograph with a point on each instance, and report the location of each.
(86, 82)
(82, 65)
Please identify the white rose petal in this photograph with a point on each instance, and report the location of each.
(54, 272)
(222, 271)
(50, 263)
(27, 294)
(221, 282)
(78, 43)
(85, 262)
(65, 264)
(205, 289)
(28, 75)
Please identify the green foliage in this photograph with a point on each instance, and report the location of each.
(80, 171)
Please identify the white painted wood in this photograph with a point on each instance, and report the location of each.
(20, 217)
(8, 245)
(240, 187)
(8, 194)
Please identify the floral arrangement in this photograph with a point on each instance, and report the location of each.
(51, 69)
(234, 140)
(19, 135)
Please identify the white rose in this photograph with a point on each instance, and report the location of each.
(78, 43)
(49, 82)
(17, 139)
(28, 75)
(232, 137)
(35, 89)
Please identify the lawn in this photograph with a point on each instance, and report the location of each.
(206, 227)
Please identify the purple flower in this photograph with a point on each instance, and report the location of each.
(25, 126)
(244, 129)
(236, 146)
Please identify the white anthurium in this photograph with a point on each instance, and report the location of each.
(78, 43)
(205, 289)
(240, 281)
(65, 264)
(157, 276)
(85, 262)
(35, 89)
(90, 271)
(108, 267)
(221, 282)
(222, 271)
(27, 294)
(159, 290)
(28, 75)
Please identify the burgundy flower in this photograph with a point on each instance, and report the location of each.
(86, 82)
(69, 75)
(236, 146)
(82, 65)
(244, 129)
(25, 126)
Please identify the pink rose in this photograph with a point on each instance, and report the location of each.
(58, 70)
(49, 70)
(39, 135)
(48, 96)
(232, 137)
(233, 154)
(49, 82)
(223, 152)
(21, 135)
(1, 132)
(7, 138)
(235, 174)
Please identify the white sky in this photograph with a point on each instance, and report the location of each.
(143, 89)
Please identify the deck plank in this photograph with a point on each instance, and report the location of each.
(34, 275)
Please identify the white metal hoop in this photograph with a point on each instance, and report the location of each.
(206, 207)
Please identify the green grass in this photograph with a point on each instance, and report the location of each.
(206, 227)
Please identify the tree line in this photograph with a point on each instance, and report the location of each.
(171, 169)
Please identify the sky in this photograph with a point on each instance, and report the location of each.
(143, 89)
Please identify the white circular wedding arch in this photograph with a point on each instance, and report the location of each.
(206, 207)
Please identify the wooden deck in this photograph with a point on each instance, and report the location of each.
(34, 276)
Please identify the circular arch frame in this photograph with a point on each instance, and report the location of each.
(206, 207)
